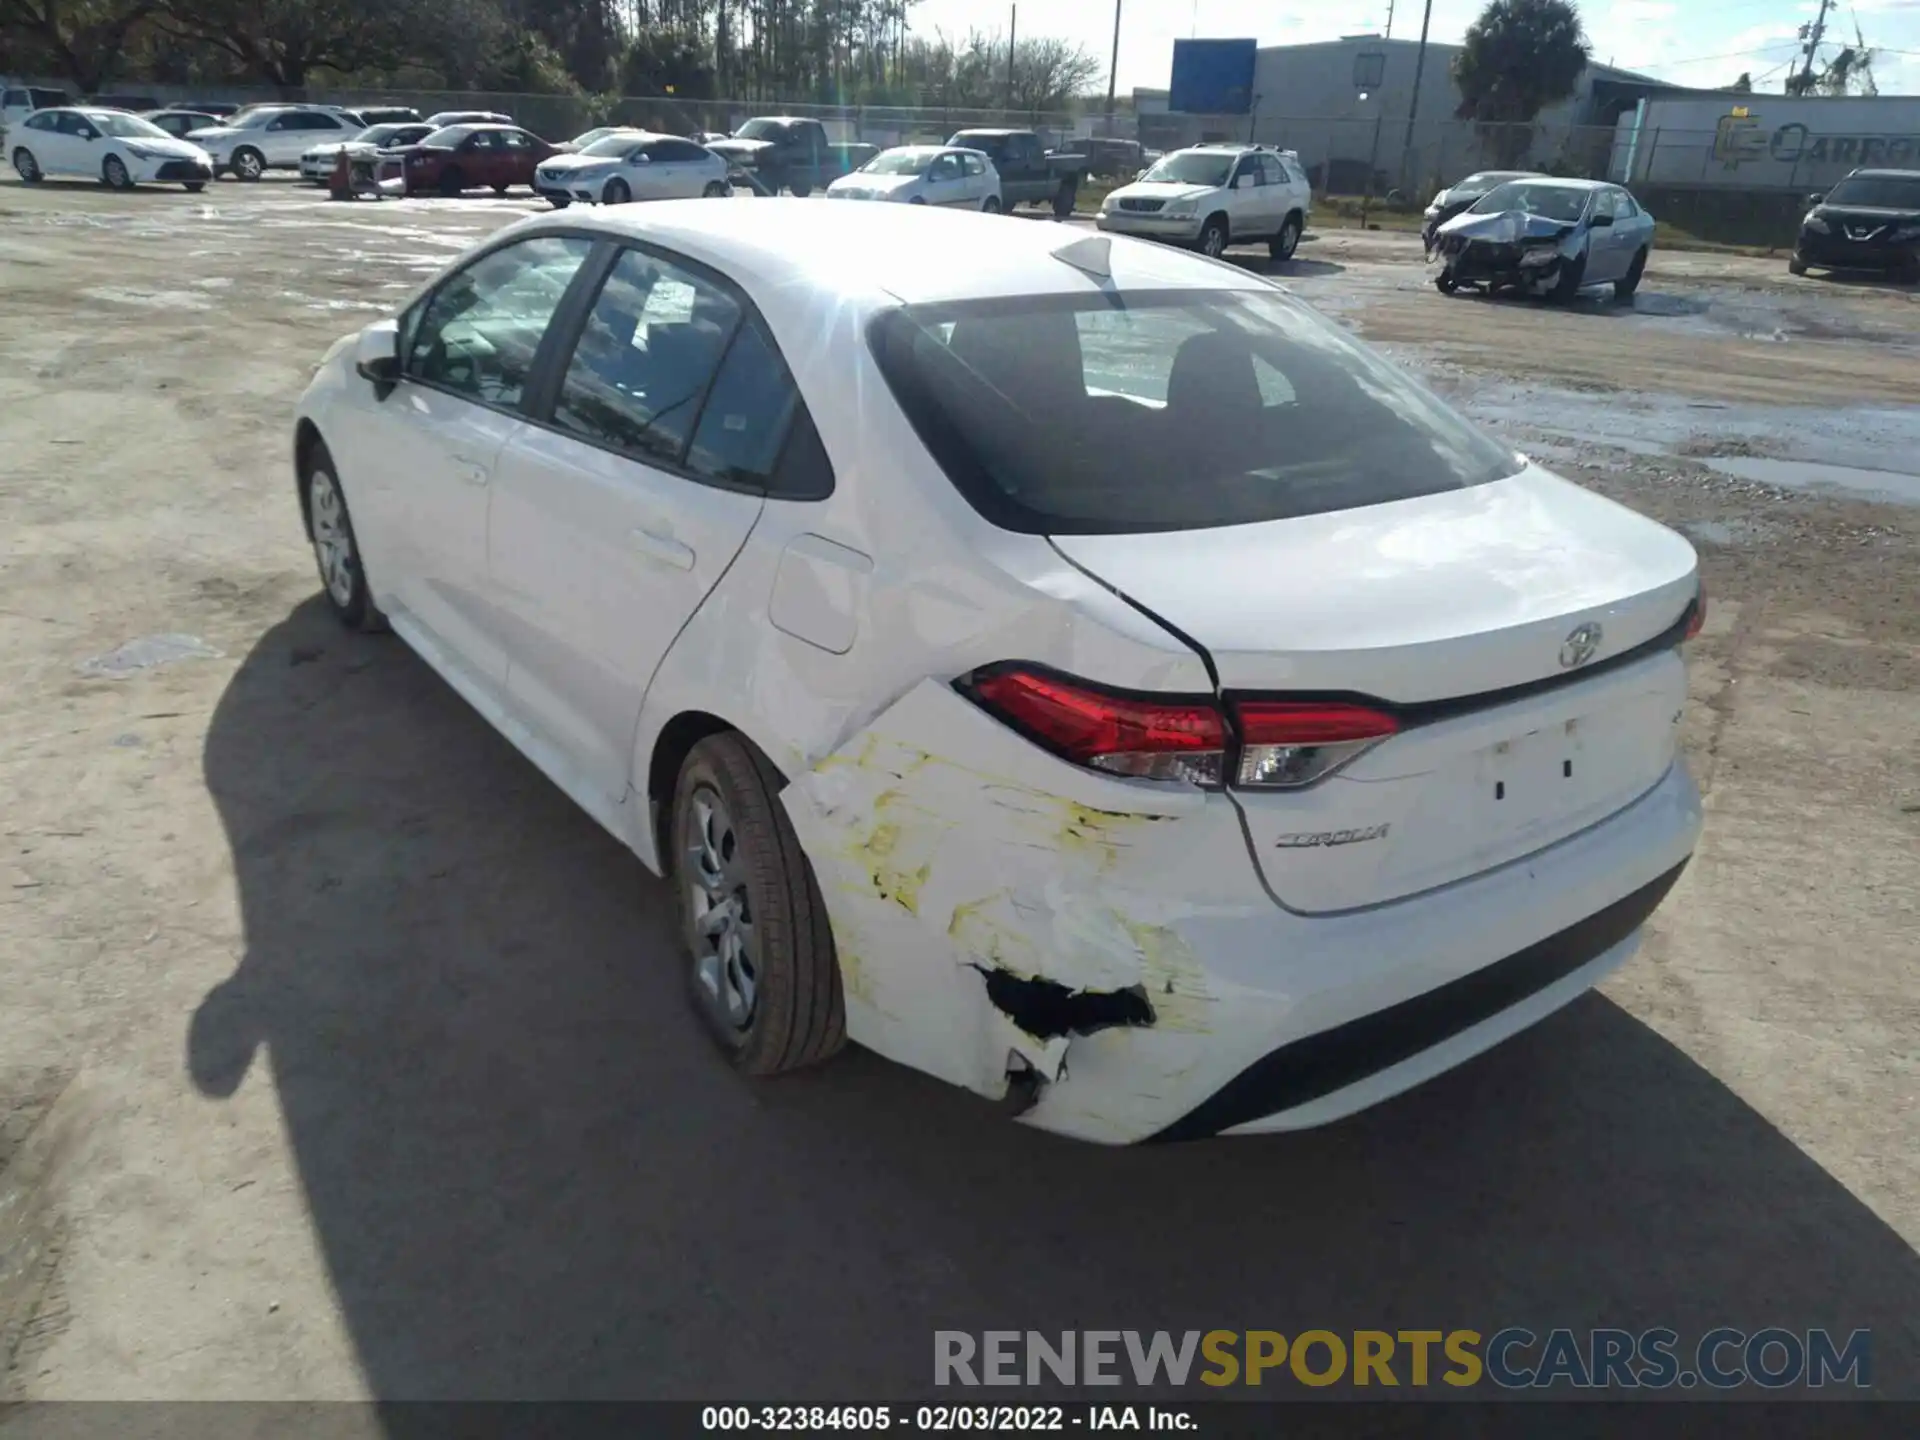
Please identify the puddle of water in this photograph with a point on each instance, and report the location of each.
(1813, 475)
(147, 299)
(145, 653)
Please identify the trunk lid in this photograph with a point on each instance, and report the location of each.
(1464, 613)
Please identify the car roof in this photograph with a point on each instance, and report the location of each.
(884, 253)
(1886, 174)
(1564, 182)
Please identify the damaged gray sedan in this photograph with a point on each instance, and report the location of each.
(1546, 237)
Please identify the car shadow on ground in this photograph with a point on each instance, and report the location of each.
(530, 1176)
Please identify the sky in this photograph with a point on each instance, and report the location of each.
(1690, 42)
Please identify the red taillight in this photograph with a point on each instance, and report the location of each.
(1285, 744)
(1697, 616)
(1121, 734)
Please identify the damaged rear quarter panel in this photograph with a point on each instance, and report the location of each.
(949, 851)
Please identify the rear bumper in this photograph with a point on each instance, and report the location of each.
(992, 865)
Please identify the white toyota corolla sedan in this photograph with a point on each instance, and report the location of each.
(1065, 665)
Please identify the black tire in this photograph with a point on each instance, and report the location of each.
(1445, 283)
(1213, 237)
(918, 200)
(559, 202)
(26, 167)
(194, 187)
(357, 611)
(802, 188)
(798, 1014)
(1063, 198)
(775, 181)
(452, 182)
(500, 189)
(716, 190)
(1567, 288)
(113, 174)
(1796, 266)
(248, 164)
(1624, 287)
(1282, 246)
(990, 205)
(615, 192)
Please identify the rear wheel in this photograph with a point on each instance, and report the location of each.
(248, 163)
(1624, 287)
(452, 182)
(803, 188)
(26, 167)
(716, 190)
(1213, 237)
(113, 174)
(615, 192)
(1445, 283)
(500, 189)
(990, 205)
(1796, 266)
(194, 187)
(761, 965)
(1282, 246)
(1063, 198)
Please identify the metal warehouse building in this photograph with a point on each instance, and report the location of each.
(1346, 103)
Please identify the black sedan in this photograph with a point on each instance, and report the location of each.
(1869, 221)
(1462, 193)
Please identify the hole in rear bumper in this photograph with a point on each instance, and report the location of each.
(1307, 1069)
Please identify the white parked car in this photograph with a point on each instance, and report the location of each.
(1062, 664)
(317, 164)
(924, 175)
(115, 147)
(632, 165)
(1213, 196)
(273, 137)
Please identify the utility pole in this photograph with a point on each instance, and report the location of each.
(1419, 67)
(1013, 31)
(1113, 65)
(1813, 45)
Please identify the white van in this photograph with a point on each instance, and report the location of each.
(19, 101)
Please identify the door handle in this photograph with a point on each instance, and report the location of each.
(663, 549)
(472, 471)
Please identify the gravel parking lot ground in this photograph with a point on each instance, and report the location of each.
(340, 1056)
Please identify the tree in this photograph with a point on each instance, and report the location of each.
(86, 39)
(1519, 57)
(283, 41)
(1743, 85)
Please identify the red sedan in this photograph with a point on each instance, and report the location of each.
(466, 157)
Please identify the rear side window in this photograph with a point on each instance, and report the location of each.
(643, 361)
(479, 332)
(14, 100)
(1167, 410)
(747, 415)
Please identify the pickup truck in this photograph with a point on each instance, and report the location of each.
(1027, 171)
(787, 152)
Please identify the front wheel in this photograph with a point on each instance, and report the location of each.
(1213, 238)
(1624, 287)
(194, 187)
(761, 967)
(500, 189)
(1282, 246)
(802, 188)
(1445, 283)
(1567, 287)
(990, 205)
(335, 549)
(113, 174)
(452, 182)
(615, 193)
(248, 164)
(26, 167)
(1063, 199)
(1795, 266)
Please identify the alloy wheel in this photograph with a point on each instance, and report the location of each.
(332, 540)
(726, 953)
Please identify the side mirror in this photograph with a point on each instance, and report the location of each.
(1818, 197)
(377, 354)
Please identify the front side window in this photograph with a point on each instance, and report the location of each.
(479, 332)
(644, 358)
(945, 167)
(1167, 410)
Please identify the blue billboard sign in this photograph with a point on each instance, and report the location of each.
(1212, 77)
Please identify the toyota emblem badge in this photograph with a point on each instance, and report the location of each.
(1580, 646)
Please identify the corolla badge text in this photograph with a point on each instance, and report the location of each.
(1310, 839)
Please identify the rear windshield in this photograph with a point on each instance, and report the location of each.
(1878, 192)
(1167, 410)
